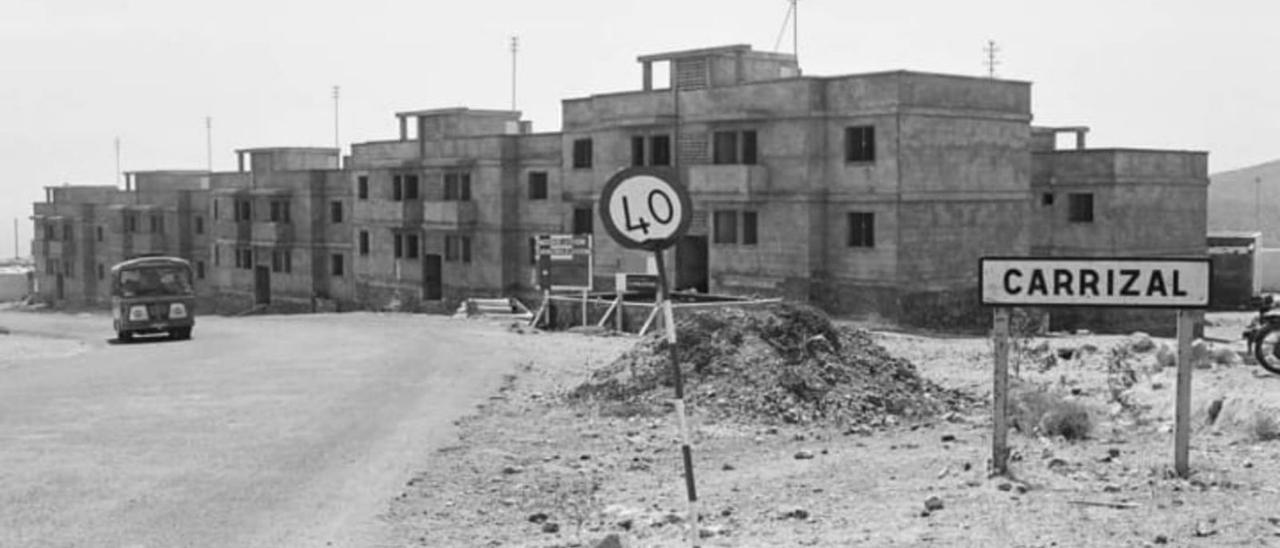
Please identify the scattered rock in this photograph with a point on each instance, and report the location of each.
(727, 467)
(948, 437)
(1156, 385)
(1248, 464)
(804, 454)
(1087, 348)
(1166, 357)
(933, 504)
(712, 531)
(551, 527)
(1111, 489)
(613, 540)
(510, 469)
(1141, 342)
(1004, 486)
(1056, 463)
(1206, 529)
(540, 517)
(1224, 356)
(1066, 353)
(1161, 539)
(793, 512)
(1215, 408)
(1113, 453)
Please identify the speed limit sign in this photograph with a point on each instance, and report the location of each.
(644, 208)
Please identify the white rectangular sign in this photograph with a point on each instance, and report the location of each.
(1138, 283)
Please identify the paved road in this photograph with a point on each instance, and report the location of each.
(261, 431)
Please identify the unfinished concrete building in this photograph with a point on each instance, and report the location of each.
(281, 231)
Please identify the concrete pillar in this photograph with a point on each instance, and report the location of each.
(1080, 138)
(404, 128)
(240, 161)
(647, 83)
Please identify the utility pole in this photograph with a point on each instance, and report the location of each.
(15, 238)
(992, 50)
(1257, 203)
(335, 126)
(795, 30)
(208, 142)
(515, 46)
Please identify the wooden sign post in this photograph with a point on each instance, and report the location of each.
(1142, 282)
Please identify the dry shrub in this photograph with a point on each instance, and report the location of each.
(1040, 411)
(1264, 427)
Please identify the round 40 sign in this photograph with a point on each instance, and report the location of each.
(643, 208)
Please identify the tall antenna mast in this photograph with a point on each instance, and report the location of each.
(795, 30)
(992, 50)
(336, 142)
(515, 46)
(117, 160)
(208, 142)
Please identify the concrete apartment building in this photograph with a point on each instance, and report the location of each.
(872, 193)
(281, 231)
(81, 231)
(448, 209)
(864, 194)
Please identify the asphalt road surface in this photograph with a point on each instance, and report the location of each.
(260, 431)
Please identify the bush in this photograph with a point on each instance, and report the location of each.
(1036, 410)
(1264, 427)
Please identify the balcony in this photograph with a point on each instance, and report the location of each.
(272, 232)
(146, 242)
(452, 214)
(727, 180)
(226, 229)
(388, 211)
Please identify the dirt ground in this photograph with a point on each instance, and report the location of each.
(532, 470)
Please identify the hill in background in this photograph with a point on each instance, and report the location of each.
(1246, 199)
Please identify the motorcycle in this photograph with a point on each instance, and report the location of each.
(1263, 333)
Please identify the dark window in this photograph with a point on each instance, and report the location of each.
(200, 269)
(364, 242)
(749, 147)
(724, 149)
(726, 227)
(199, 225)
(244, 211)
(582, 153)
(1080, 207)
(279, 211)
(335, 212)
(49, 231)
(750, 236)
(67, 230)
(533, 250)
(457, 249)
(397, 244)
(411, 187)
(362, 187)
(637, 150)
(862, 230)
(157, 224)
(1046, 199)
(99, 231)
(660, 150)
(281, 261)
(131, 223)
(860, 144)
(411, 246)
(537, 185)
(69, 268)
(583, 221)
(217, 257)
(244, 258)
(336, 266)
(457, 186)
(397, 188)
(102, 272)
(215, 209)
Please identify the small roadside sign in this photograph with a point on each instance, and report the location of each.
(564, 261)
(644, 208)
(1132, 282)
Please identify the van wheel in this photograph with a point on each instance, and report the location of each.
(124, 336)
(180, 333)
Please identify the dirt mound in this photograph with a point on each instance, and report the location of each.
(786, 363)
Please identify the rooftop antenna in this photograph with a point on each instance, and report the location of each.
(515, 46)
(117, 160)
(336, 142)
(992, 61)
(791, 8)
(208, 142)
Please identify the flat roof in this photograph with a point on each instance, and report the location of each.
(1121, 149)
(458, 110)
(288, 149)
(698, 52)
(169, 172)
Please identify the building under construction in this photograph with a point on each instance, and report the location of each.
(865, 194)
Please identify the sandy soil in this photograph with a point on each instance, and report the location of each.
(530, 470)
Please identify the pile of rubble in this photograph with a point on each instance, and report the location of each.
(786, 363)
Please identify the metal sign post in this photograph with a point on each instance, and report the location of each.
(645, 208)
(1141, 282)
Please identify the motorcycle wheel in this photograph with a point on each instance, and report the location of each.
(1266, 349)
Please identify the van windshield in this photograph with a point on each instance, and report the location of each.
(162, 281)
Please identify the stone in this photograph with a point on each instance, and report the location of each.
(551, 527)
(712, 531)
(1111, 489)
(727, 467)
(612, 540)
(539, 517)
(1161, 539)
(509, 470)
(1141, 342)
(948, 437)
(1206, 529)
(933, 504)
(804, 454)
(793, 512)
(1005, 486)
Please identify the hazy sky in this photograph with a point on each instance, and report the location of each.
(75, 74)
